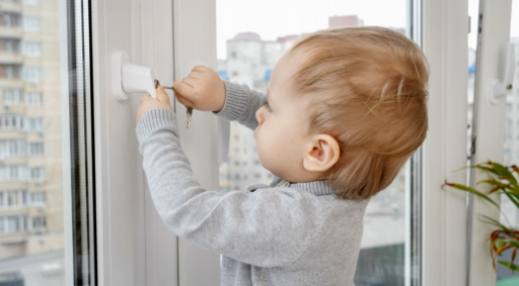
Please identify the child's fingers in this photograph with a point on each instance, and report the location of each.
(199, 68)
(190, 81)
(160, 89)
(186, 102)
(145, 97)
(195, 75)
(183, 87)
(162, 96)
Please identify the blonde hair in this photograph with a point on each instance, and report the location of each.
(368, 89)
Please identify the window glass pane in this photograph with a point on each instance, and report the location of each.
(249, 45)
(510, 213)
(32, 68)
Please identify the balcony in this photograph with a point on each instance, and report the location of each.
(11, 82)
(11, 32)
(10, 58)
(26, 209)
(11, 6)
(20, 107)
(14, 238)
(15, 159)
(13, 134)
(14, 184)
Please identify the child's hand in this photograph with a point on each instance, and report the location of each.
(201, 89)
(149, 103)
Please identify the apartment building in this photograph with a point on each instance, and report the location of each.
(31, 212)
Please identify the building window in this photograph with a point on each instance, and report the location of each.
(34, 98)
(10, 71)
(39, 223)
(11, 121)
(38, 198)
(10, 19)
(12, 148)
(13, 224)
(37, 174)
(24, 196)
(9, 45)
(34, 124)
(31, 24)
(12, 199)
(36, 148)
(32, 74)
(12, 96)
(32, 49)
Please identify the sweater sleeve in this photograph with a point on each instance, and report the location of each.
(268, 227)
(241, 104)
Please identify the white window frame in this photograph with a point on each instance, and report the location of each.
(194, 23)
(444, 41)
(133, 247)
(446, 216)
(490, 128)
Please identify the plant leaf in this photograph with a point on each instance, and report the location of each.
(503, 172)
(498, 170)
(492, 182)
(471, 190)
(509, 265)
(513, 198)
(512, 242)
(492, 221)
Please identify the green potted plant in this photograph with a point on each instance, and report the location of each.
(504, 180)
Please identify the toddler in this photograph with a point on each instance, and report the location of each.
(343, 112)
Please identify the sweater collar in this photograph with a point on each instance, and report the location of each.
(318, 188)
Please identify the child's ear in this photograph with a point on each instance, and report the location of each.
(322, 153)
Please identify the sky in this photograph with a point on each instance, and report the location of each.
(274, 18)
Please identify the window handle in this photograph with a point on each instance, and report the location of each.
(503, 85)
(128, 78)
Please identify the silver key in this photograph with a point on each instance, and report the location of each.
(189, 111)
(189, 114)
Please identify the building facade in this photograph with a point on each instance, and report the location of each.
(31, 201)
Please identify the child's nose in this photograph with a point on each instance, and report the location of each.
(260, 115)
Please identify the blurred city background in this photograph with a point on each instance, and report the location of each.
(31, 200)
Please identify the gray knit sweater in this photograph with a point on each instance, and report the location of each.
(278, 234)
